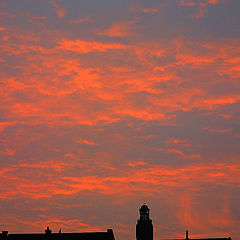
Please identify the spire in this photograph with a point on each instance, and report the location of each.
(144, 212)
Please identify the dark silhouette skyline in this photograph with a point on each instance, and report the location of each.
(144, 231)
(49, 235)
(187, 238)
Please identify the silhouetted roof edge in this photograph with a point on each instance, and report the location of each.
(108, 235)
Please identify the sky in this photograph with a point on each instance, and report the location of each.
(107, 104)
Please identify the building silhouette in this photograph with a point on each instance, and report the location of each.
(48, 235)
(144, 231)
(187, 238)
(144, 227)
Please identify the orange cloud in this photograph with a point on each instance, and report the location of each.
(61, 12)
(144, 10)
(86, 47)
(135, 164)
(183, 59)
(80, 20)
(161, 103)
(156, 178)
(210, 129)
(213, 1)
(201, 6)
(86, 142)
(187, 3)
(119, 29)
(4, 125)
(13, 221)
(181, 142)
(10, 152)
(222, 101)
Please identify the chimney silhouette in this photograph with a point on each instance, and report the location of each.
(48, 231)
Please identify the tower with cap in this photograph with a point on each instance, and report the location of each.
(144, 227)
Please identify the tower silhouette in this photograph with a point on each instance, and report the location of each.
(144, 227)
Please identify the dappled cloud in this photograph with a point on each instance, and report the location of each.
(105, 107)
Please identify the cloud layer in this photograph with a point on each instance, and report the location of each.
(106, 106)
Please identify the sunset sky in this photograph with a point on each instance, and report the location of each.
(107, 104)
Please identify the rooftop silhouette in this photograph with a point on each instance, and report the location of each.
(187, 238)
(49, 235)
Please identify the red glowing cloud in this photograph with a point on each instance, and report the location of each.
(106, 106)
